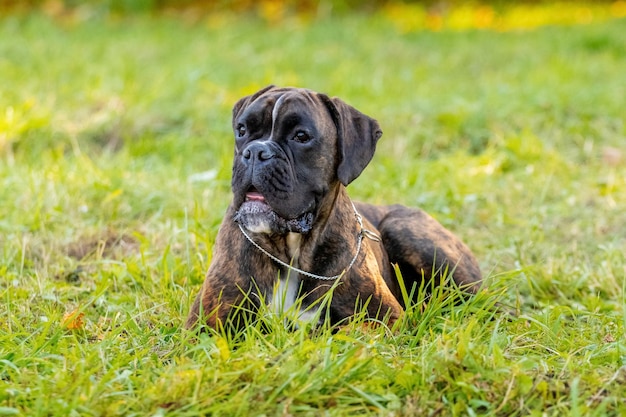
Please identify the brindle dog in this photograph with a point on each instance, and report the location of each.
(291, 232)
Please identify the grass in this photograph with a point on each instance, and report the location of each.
(115, 151)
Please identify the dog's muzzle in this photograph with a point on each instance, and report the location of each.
(264, 187)
(258, 217)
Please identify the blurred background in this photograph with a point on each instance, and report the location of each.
(504, 120)
(409, 15)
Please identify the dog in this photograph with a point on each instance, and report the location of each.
(293, 240)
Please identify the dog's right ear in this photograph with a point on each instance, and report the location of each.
(244, 102)
(357, 135)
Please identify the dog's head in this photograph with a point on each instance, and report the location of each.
(292, 147)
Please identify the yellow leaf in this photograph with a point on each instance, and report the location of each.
(73, 320)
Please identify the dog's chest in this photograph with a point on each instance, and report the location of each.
(286, 290)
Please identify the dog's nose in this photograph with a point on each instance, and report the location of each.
(257, 151)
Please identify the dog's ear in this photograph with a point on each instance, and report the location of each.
(357, 135)
(245, 101)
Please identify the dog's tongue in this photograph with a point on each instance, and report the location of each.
(254, 196)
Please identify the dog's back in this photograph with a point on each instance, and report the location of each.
(422, 248)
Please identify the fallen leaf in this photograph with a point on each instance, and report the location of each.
(73, 320)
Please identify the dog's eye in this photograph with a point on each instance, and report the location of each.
(301, 137)
(241, 130)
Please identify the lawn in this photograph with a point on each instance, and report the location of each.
(115, 158)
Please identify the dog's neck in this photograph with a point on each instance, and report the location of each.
(331, 221)
(329, 231)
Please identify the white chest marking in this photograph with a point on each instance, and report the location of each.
(285, 292)
(287, 287)
(293, 244)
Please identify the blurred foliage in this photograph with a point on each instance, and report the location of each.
(198, 6)
(500, 16)
(408, 15)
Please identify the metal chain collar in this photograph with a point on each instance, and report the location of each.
(362, 232)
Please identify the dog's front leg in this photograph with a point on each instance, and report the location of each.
(222, 301)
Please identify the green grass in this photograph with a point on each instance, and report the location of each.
(513, 140)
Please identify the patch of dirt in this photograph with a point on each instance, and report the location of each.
(109, 244)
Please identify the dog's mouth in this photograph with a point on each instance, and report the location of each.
(256, 215)
(254, 195)
(255, 202)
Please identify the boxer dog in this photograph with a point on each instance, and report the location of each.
(291, 234)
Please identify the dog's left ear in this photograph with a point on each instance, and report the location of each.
(357, 135)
